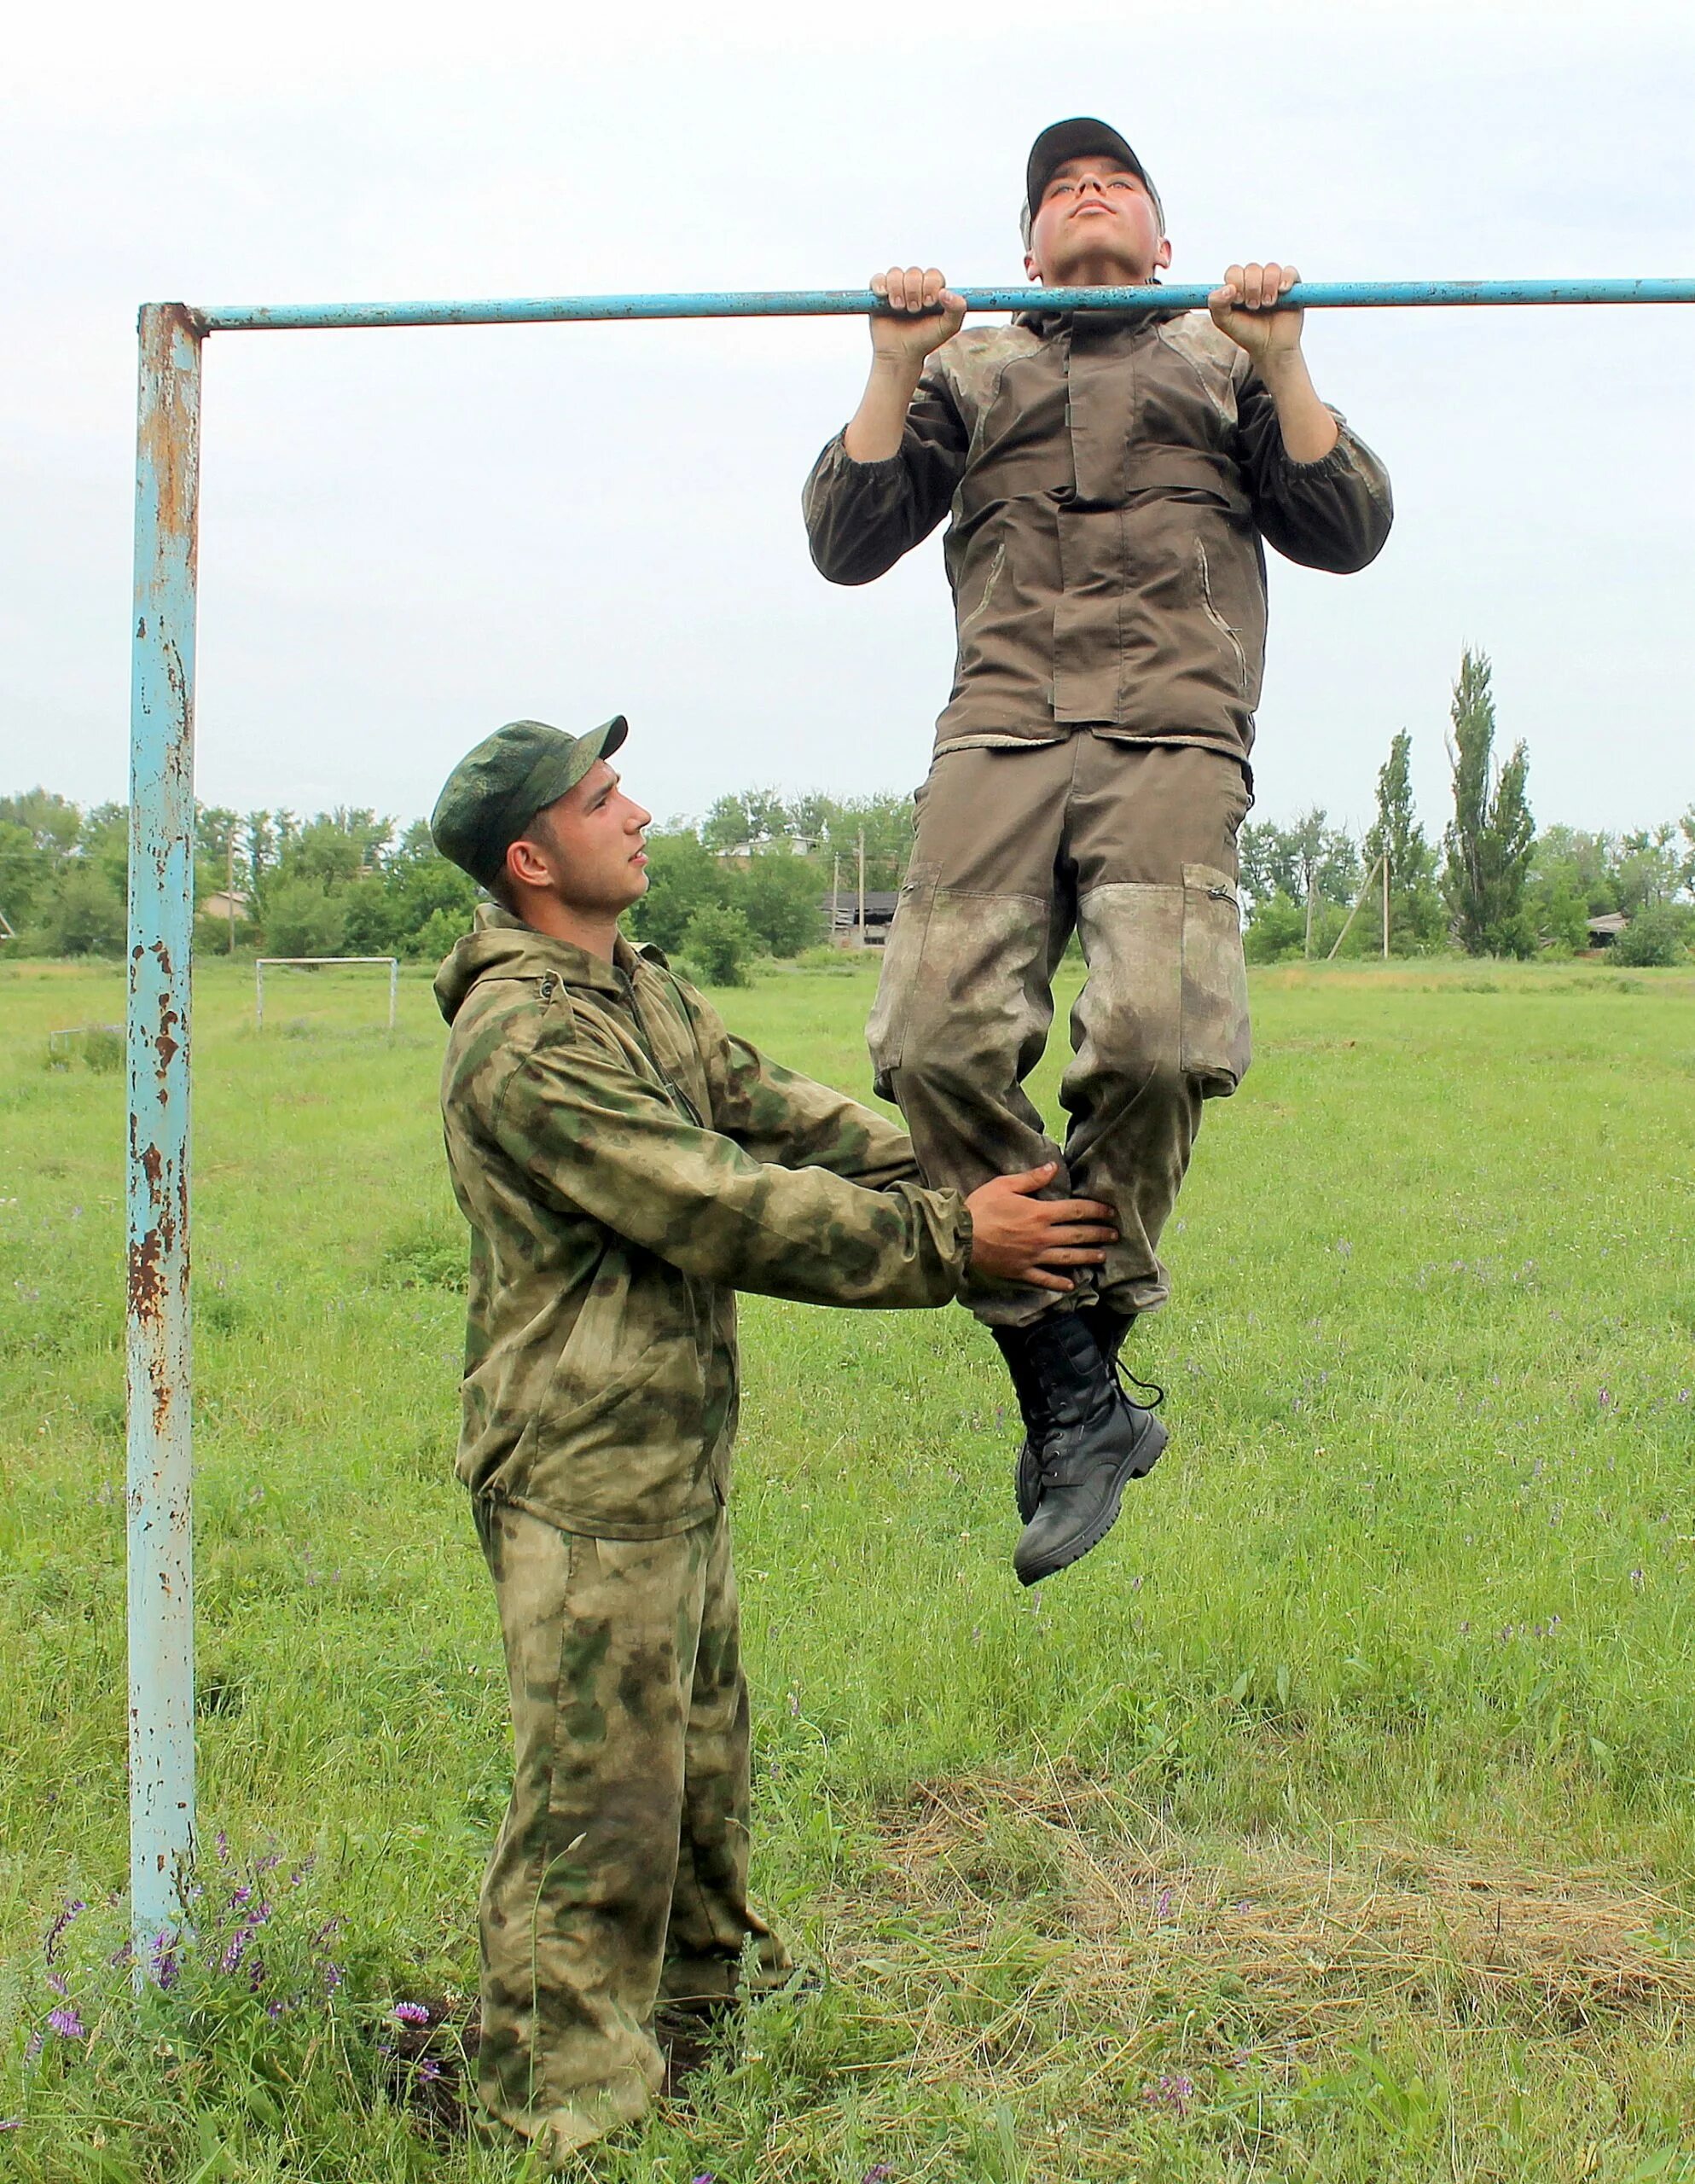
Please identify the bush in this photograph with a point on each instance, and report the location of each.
(303, 918)
(781, 899)
(1655, 938)
(440, 933)
(1277, 930)
(841, 961)
(85, 917)
(719, 945)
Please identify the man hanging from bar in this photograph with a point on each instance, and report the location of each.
(1110, 479)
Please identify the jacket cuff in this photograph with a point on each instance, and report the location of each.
(1340, 458)
(873, 473)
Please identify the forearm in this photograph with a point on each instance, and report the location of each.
(1309, 431)
(874, 433)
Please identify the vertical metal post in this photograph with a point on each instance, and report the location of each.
(393, 988)
(162, 917)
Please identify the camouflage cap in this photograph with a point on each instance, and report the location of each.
(495, 791)
(1079, 139)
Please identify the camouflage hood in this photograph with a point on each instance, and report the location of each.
(506, 950)
(625, 1165)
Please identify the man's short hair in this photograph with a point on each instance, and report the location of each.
(499, 884)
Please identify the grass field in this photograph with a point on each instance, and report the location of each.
(1335, 1821)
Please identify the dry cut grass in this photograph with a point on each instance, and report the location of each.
(1156, 1948)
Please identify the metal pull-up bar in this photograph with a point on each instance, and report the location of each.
(860, 303)
(161, 915)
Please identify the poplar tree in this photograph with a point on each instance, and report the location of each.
(1489, 840)
(1417, 919)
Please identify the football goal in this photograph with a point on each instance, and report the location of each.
(315, 963)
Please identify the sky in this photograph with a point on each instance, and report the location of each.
(410, 537)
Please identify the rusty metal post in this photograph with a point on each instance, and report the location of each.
(161, 919)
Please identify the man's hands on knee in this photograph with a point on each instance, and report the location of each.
(1018, 1237)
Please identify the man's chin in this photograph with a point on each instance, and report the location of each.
(1090, 271)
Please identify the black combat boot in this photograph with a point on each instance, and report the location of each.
(1087, 1441)
(1108, 1329)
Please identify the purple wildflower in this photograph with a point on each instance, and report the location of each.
(73, 1909)
(429, 2071)
(1172, 2093)
(11, 2122)
(243, 1895)
(256, 1974)
(332, 1976)
(221, 1844)
(236, 1950)
(34, 2047)
(879, 2174)
(66, 2023)
(411, 2013)
(166, 1962)
(1162, 1909)
(274, 2010)
(1636, 1579)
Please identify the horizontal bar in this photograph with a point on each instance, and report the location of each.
(858, 303)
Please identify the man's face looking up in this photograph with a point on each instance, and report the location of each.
(586, 849)
(1095, 225)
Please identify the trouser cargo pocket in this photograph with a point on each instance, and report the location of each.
(1215, 1045)
(891, 1012)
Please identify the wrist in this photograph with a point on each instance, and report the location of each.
(1284, 370)
(899, 374)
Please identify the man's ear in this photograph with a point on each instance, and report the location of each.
(526, 864)
(1162, 257)
(1032, 272)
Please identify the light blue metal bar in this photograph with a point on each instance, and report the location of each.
(853, 303)
(161, 915)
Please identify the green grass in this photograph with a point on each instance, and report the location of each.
(1333, 1822)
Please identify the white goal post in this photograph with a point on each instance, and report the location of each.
(317, 963)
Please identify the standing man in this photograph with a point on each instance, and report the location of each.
(625, 1165)
(1109, 479)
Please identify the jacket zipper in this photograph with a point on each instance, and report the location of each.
(1216, 618)
(641, 1040)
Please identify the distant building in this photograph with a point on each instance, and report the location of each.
(223, 905)
(842, 911)
(1606, 928)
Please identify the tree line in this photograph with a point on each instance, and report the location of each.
(1494, 885)
(752, 879)
(756, 876)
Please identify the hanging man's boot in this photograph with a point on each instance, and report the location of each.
(1107, 1329)
(1087, 1441)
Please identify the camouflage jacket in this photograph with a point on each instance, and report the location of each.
(1109, 481)
(626, 1165)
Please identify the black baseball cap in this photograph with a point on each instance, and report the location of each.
(1078, 139)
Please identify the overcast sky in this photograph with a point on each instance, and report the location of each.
(410, 537)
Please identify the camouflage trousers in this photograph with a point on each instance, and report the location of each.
(620, 1879)
(1133, 846)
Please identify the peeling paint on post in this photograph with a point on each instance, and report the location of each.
(161, 918)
